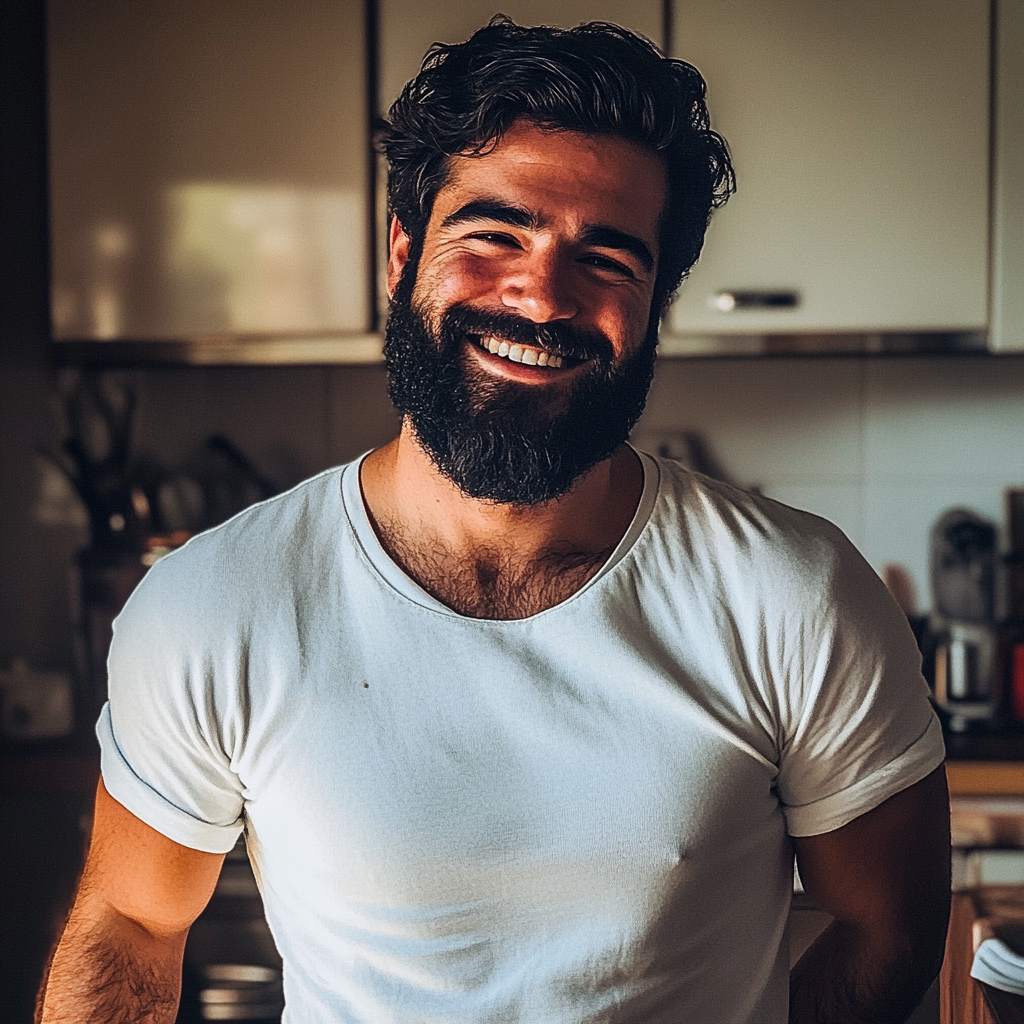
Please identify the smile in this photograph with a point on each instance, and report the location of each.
(517, 353)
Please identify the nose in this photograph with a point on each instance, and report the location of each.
(541, 288)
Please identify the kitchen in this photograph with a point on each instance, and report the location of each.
(880, 444)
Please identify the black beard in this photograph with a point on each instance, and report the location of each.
(495, 439)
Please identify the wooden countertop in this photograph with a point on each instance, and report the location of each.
(985, 778)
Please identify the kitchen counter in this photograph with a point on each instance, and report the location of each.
(982, 764)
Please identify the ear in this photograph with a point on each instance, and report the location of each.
(398, 254)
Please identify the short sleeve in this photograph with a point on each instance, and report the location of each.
(861, 726)
(164, 739)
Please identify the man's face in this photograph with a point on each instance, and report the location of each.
(521, 344)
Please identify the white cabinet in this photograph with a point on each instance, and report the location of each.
(210, 169)
(1007, 330)
(408, 27)
(860, 135)
(210, 163)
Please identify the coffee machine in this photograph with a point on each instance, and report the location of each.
(963, 575)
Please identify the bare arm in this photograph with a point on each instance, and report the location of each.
(119, 959)
(885, 878)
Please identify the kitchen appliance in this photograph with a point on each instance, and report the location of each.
(963, 571)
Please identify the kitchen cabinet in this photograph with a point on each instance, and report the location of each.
(976, 913)
(1007, 327)
(860, 135)
(210, 170)
(212, 191)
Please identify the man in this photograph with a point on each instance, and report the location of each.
(520, 724)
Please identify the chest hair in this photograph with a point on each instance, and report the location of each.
(495, 582)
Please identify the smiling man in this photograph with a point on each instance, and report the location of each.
(521, 724)
(520, 348)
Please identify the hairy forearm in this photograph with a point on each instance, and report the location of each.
(108, 969)
(851, 977)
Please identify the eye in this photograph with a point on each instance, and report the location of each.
(496, 238)
(606, 263)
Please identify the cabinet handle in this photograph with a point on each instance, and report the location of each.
(728, 301)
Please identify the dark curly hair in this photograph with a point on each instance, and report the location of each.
(595, 78)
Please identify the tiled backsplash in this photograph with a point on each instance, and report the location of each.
(879, 446)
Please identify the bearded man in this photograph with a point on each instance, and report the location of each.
(521, 724)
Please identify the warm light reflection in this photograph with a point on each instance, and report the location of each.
(111, 243)
(246, 258)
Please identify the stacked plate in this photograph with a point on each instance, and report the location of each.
(241, 992)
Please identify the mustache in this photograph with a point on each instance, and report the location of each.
(557, 336)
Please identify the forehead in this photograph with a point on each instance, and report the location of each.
(567, 176)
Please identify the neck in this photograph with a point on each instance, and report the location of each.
(423, 519)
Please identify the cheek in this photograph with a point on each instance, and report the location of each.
(625, 322)
(457, 280)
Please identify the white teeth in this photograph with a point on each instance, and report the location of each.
(520, 353)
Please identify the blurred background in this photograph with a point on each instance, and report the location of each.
(192, 311)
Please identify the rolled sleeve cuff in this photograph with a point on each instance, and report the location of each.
(135, 794)
(921, 758)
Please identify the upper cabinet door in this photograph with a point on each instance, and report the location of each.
(1007, 321)
(408, 27)
(210, 168)
(859, 133)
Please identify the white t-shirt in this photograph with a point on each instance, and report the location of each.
(577, 816)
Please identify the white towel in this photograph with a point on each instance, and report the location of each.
(997, 965)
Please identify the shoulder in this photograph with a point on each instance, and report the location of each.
(244, 559)
(765, 566)
(727, 533)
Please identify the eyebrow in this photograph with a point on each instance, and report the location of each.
(492, 209)
(601, 235)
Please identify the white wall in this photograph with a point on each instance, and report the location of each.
(879, 446)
